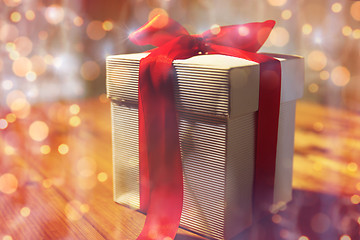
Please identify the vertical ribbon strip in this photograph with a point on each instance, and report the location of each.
(161, 180)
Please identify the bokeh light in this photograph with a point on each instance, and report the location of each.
(74, 109)
(30, 15)
(324, 75)
(63, 149)
(102, 177)
(12, 3)
(3, 123)
(8, 183)
(355, 199)
(7, 237)
(313, 88)
(355, 10)
(345, 237)
(45, 149)
(15, 17)
(107, 25)
(71, 210)
(316, 60)
(303, 238)
(320, 222)
(356, 34)
(277, 2)
(74, 121)
(286, 14)
(21, 66)
(18, 104)
(279, 37)
(346, 30)
(38, 131)
(54, 14)
(307, 29)
(25, 211)
(336, 7)
(78, 21)
(340, 76)
(90, 70)
(95, 30)
(163, 18)
(352, 167)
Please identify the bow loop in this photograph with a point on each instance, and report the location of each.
(248, 37)
(158, 31)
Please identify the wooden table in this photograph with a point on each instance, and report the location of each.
(61, 187)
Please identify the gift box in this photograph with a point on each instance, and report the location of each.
(217, 100)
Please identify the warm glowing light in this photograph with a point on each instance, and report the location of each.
(8, 183)
(54, 14)
(78, 21)
(86, 167)
(8, 32)
(11, 117)
(215, 29)
(243, 31)
(43, 35)
(352, 167)
(25, 211)
(316, 60)
(318, 126)
(74, 109)
(1, 65)
(74, 121)
(49, 59)
(303, 238)
(313, 88)
(103, 98)
(346, 30)
(102, 177)
(12, 3)
(320, 223)
(9, 150)
(277, 2)
(63, 149)
(45, 149)
(18, 104)
(38, 64)
(324, 75)
(345, 237)
(7, 237)
(21, 66)
(107, 25)
(38, 131)
(355, 199)
(90, 70)
(3, 123)
(30, 15)
(84, 208)
(162, 20)
(356, 34)
(15, 17)
(276, 218)
(23, 45)
(47, 183)
(14, 55)
(71, 212)
(358, 220)
(340, 76)
(30, 76)
(306, 29)
(355, 10)
(336, 7)
(95, 30)
(7, 84)
(279, 37)
(286, 14)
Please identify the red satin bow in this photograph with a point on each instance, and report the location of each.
(161, 181)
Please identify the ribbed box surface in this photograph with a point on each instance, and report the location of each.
(217, 99)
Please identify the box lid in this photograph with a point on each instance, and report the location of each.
(208, 84)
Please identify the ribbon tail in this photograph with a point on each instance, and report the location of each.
(161, 186)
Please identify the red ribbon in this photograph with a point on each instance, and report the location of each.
(161, 181)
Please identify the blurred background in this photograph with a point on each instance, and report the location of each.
(56, 50)
(56, 144)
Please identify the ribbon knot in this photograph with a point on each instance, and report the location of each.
(161, 179)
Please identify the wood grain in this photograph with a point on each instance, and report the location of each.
(70, 195)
